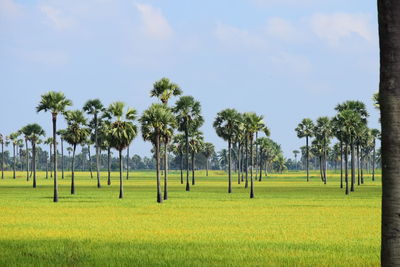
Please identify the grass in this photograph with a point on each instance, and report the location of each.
(289, 223)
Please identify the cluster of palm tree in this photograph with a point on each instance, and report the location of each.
(114, 128)
(355, 140)
(241, 131)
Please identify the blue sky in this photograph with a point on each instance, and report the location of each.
(285, 59)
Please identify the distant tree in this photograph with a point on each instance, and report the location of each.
(122, 132)
(208, 151)
(251, 122)
(95, 107)
(188, 112)
(225, 125)
(295, 153)
(164, 89)
(305, 129)
(156, 121)
(196, 145)
(2, 141)
(61, 133)
(56, 103)
(375, 135)
(14, 140)
(75, 134)
(33, 132)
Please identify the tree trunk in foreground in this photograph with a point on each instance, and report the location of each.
(159, 197)
(55, 198)
(389, 33)
(73, 171)
(121, 188)
(165, 170)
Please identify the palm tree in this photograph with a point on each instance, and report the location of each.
(56, 103)
(25, 133)
(389, 100)
(305, 129)
(33, 133)
(188, 110)
(122, 132)
(177, 148)
(251, 122)
(61, 133)
(323, 133)
(49, 142)
(164, 89)
(2, 141)
(208, 151)
(225, 124)
(375, 134)
(75, 134)
(95, 107)
(104, 140)
(196, 145)
(350, 120)
(14, 139)
(156, 121)
(69, 150)
(295, 153)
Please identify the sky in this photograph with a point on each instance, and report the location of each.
(283, 59)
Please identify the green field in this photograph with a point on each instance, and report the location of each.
(289, 223)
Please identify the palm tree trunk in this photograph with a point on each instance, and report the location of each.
(166, 169)
(346, 163)
(246, 185)
(307, 164)
(362, 167)
(55, 199)
(27, 159)
(358, 165)
(127, 163)
(159, 197)
(341, 164)
(2, 161)
(14, 160)
(73, 171)
(260, 165)
(239, 162)
(121, 189)
(251, 169)
(207, 160)
(51, 154)
(90, 164)
(373, 161)
(193, 180)
(256, 159)
(62, 158)
(47, 168)
(389, 99)
(353, 166)
(229, 167)
(34, 163)
(187, 156)
(109, 165)
(181, 154)
(97, 150)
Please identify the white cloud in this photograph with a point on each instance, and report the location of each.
(56, 18)
(236, 37)
(282, 29)
(155, 25)
(335, 27)
(10, 9)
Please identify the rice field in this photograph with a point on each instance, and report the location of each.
(289, 223)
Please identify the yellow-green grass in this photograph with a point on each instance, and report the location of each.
(289, 223)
